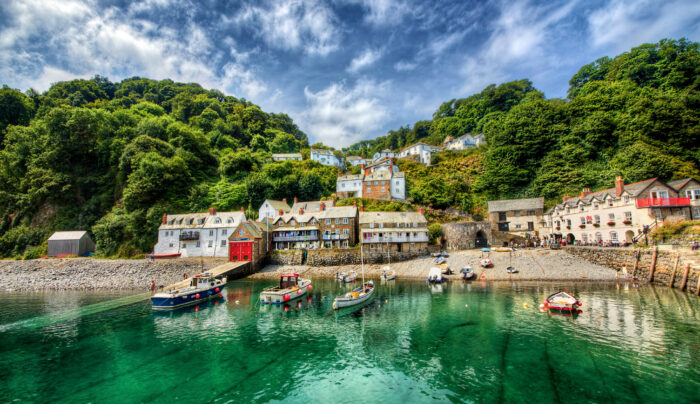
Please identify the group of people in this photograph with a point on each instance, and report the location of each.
(153, 283)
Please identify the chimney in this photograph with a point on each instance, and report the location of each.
(420, 210)
(242, 210)
(619, 185)
(212, 210)
(362, 208)
(323, 206)
(284, 200)
(281, 212)
(354, 204)
(295, 200)
(585, 192)
(301, 211)
(362, 167)
(165, 218)
(565, 198)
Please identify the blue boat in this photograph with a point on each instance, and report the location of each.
(202, 287)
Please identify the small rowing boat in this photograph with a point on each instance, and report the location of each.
(466, 273)
(291, 287)
(388, 274)
(354, 297)
(486, 262)
(435, 276)
(561, 301)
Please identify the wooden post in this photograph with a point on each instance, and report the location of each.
(653, 265)
(636, 263)
(685, 276)
(675, 267)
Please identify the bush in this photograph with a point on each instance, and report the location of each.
(34, 252)
(435, 231)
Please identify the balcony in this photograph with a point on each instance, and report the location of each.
(420, 238)
(189, 235)
(336, 236)
(307, 237)
(662, 202)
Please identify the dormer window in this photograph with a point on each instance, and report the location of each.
(595, 205)
(626, 199)
(229, 220)
(610, 202)
(217, 220)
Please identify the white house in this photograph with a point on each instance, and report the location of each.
(286, 156)
(271, 208)
(357, 160)
(420, 149)
(325, 157)
(379, 180)
(197, 234)
(386, 153)
(464, 142)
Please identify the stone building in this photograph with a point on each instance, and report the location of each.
(466, 235)
(328, 227)
(250, 241)
(394, 231)
(618, 214)
(379, 180)
(517, 216)
(689, 188)
(197, 234)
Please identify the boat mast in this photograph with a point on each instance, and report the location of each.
(362, 265)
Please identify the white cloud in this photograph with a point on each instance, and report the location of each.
(518, 39)
(85, 41)
(340, 116)
(624, 24)
(384, 12)
(403, 66)
(308, 25)
(365, 59)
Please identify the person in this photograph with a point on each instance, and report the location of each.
(184, 276)
(153, 286)
(153, 257)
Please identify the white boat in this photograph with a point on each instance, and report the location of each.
(511, 270)
(466, 273)
(486, 262)
(202, 287)
(358, 295)
(561, 301)
(388, 274)
(291, 287)
(340, 276)
(350, 277)
(446, 269)
(435, 276)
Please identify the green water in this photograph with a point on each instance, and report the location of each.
(413, 343)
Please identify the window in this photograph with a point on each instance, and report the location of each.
(610, 202)
(223, 243)
(568, 209)
(229, 220)
(198, 244)
(611, 217)
(502, 216)
(376, 182)
(658, 214)
(585, 237)
(692, 193)
(211, 243)
(217, 220)
(369, 189)
(626, 199)
(291, 222)
(415, 224)
(568, 222)
(516, 213)
(313, 221)
(383, 189)
(171, 244)
(613, 236)
(211, 233)
(342, 185)
(241, 232)
(345, 220)
(301, 224)
(184, 246)
(696, 212)
(628, 216)
(597, 219)
(400, 225)
(337, 220)
(381, 225)
(530, 226)
(517, 226)
(583, 220)
(397, 184)
(224, 232)
(345, 231)
(530, 212)
(371, 225)
(581, 208)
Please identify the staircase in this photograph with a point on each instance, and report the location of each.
(641, 235)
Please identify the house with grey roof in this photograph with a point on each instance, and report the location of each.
(271, 208)
(286, 156)
(379, 180)
(394, 231)
(76, 243)
(519, 216)
(325, 157)
(327, 226)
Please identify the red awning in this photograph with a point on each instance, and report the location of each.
(589, 218)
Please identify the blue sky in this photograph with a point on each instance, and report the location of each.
(344, 70)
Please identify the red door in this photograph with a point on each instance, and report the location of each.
(240, 251)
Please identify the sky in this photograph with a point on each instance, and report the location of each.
(344, 70)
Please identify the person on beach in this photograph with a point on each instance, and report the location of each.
(184, 276)
(153, 286)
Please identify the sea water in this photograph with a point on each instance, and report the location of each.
(413, 343)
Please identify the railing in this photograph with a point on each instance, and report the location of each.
(661, 202)
(396, 239)
(295, 238)
(336, 236)
(189, 236)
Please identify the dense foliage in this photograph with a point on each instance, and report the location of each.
(113, 157)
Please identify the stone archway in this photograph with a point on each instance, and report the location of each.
(481, 240)
(570, 238)
(629, 236)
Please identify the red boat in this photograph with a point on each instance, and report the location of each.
(176, 255)
(561, 301)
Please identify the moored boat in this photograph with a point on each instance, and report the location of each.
(511, 270)
(202, 287)
(354, 297)
(388, 274)
(350, 277)
(466, 273)
(486, 262)
(561, 301)
(435, 276)
(291, 287)
(446, 269)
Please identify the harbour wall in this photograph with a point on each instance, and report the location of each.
(338, 256)
(664, 268)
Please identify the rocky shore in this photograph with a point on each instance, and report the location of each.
(96, 274)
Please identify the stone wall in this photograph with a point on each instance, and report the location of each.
(288, 257)
(619, 258)
(347, 256)
(462, 235)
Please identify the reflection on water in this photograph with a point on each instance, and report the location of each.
(412, 343)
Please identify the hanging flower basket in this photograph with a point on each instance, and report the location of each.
(596, 224)
(627, 222)
(568, 227)
(582, 226)
(558, 228)
(611, 223)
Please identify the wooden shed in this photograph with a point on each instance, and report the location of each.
(70, 243)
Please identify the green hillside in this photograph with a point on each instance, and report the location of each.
(113, 157)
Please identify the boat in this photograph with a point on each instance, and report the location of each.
(511, 270)
(485, 250)
(561, 301)
(439, 260)
(202, 287)
(435, 276)
(446, 269)
(388, 274)
(340, 276)
(503, 249)
(291, 287)
(350, 277)
(486, 262)
(358, 295)
(466, 273)
(159, 256)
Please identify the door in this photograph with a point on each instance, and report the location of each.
(240, 251)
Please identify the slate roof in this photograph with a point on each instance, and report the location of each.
(678, 184)
(629, 189)
(67, 235)
(310, 206)
(391, 217)
(286, 155)
(354, 158)
(516, 204)
(322, 151)
(277, 205)
(351, 177)
(203, 220)
(330, 213)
